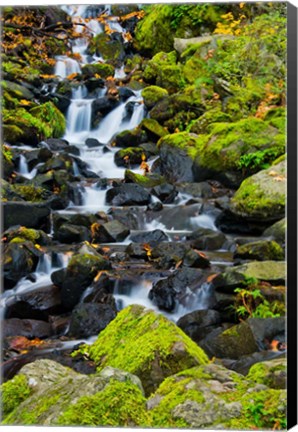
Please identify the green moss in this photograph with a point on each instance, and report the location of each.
(153, 94)
(137, 339)
(103, 69)
(13, 392)
(147, 181)
(103, 45)
(30, 192)
(174, 391)
(262, 372)
(261, 250)
(181, 140)
(261, 195)
(153, 127)
(263, 410)
(119, 404)
(50, 114)
(200, 125)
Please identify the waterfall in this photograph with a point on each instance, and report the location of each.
(24, 170)
(66, 66)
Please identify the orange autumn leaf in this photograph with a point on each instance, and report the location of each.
(211, 277)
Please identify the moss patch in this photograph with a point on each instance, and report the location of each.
(14, 392)
(119, 404)
(152, 94)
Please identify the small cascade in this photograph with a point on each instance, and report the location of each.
(94, 198)
(78, 118)
(66, 66)
(45, 264)
(24, 170)
(203, 221)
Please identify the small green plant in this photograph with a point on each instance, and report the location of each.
(261, 159)
(250, 303)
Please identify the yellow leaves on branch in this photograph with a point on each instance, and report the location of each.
(230, 24)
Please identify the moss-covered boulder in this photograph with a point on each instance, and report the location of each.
(103, 69)
(153, 129)
(213, 397)
(272, 373)
(263, 195)
(262, 250)
(33, 235)
(51, 394)
(147, 181)
(129, 156)
(41, 122)
(146, 344)
(153, 94)
(176, 156)
(239, 276)
(130, 138)
(244, 146)
(108, 48)
(232, 343)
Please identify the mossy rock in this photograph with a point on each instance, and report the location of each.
(213, 397)
(246, 144)
(109, 49)
(146, 344)
(16, 90)
(262, 250)
(129, 156)
(56, 395)
(147, 181)
(153, 94)
(153, 128)
(263, 195)
(33, 235)
(272, 373)
(131, 138)
(103, 69)
(41, 122)
(154, 33)
(200, 125)
(239, 276)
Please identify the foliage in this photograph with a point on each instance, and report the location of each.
(6, 153)
(250, 303)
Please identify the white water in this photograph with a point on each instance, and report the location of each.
(24, 170)
(66, 66)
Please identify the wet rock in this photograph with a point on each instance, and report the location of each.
(128, 194)
(169, 255)
(262, 250)
(153, 129)
(56, 144)
(125, 93)
(206, 239)
(129, 156)
(110, 232)
(155, 206)
(231, 223)
(131, 138)
(100, 108)
(80, 272)
(152, 238)
(277, 231)
(154, 365)
(92, 142)
(267, 329)
(197, 190)
(175, 164)
(37, 304)
(165, 192)
(58, 276)
(198, 324)
(26, 327)
(244, 364)
(68, 233)
(269, 271)
(19, 259)
(180, 288)
(137, 250)
(231, 343)
(271, 373)
(90, 319)
(28, 214)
